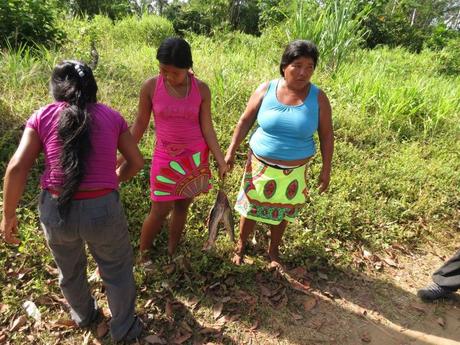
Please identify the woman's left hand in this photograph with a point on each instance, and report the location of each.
(323, 181)
(9, 228)
(223, 169)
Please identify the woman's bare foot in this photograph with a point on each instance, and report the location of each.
(238, 258)
(275, 262)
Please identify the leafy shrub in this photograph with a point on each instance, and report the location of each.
(28, 22)
(450, 58)
(149, 29)
(114, 9)
(440, 37)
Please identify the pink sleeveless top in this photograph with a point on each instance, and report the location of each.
(177, 120)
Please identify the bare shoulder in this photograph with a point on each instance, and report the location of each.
(323, 100)
(205, 92)
(148, 86)
(262, 88)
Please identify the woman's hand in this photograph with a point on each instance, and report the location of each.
(230, 160)
(323, 180)
(223, 169)
(9, 228)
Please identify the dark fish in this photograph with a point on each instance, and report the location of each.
(220, 212)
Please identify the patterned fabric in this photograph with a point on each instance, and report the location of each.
(179, 177)
(271, 195)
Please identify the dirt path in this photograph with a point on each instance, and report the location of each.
(378, 307)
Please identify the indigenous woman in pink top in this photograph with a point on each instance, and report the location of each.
(79, 204)
(181, 106)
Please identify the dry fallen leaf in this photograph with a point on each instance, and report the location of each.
(441, 322)
(182, 338)
(298, 272)
(209, 330)
(296, 317)
(186, 326)
(63, 323)
(366, 337)
(192, 303)
(169, 309)
(390, 262)
(266, 291)
(217, 310)
(2, 337)
(4, 308)
(283, 303)
(226, 299)
(309, 303)
(323, 275)
(231, 318)
(18, 323)
(148, 303)
(169, 269)
(420, 308)
(155, 339)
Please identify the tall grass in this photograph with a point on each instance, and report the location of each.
(402, 93)
(333, 25)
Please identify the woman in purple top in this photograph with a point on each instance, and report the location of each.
(181, 107)
(79, 203)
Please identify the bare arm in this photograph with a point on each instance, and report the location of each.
(326, 140)
(133, 158)
(207, 128)
(15, 180)
(144, 109)
(245, 122)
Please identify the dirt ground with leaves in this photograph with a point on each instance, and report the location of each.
(371, 302)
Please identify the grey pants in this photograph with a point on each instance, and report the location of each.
(448, 275)
(101, 224)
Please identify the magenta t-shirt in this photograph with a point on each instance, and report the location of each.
(106, 127)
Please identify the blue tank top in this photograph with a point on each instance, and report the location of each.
(286, 132)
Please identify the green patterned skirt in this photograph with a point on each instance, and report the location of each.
(271, 195)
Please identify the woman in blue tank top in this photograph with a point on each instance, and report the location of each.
(289, 111)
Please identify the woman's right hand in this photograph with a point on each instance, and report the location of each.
(230, 160)
(9, 229)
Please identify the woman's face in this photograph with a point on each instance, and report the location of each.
(299, 71)
(174, 75)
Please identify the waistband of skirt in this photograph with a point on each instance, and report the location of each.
(84, 194)
(277, 166)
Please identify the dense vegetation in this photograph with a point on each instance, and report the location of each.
(396, 116)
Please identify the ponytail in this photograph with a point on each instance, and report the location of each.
(74, 83)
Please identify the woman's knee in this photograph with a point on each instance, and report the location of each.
(160, 209)
(182, 205)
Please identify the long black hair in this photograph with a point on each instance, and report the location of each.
(296, 49)
(73, 82)
(175, 51)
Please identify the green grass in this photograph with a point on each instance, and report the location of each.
(395, 171)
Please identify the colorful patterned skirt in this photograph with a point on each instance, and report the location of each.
(179, 177)
(271, 195)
